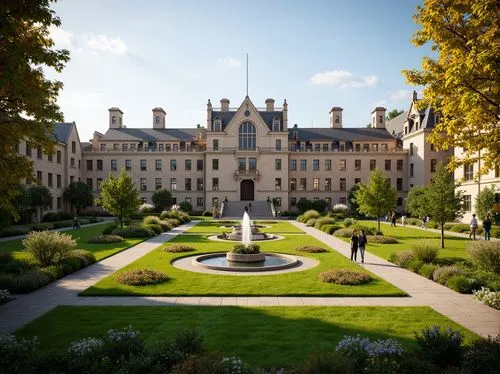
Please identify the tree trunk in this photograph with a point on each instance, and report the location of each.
(41, 214)
(121, 222)
(442, 235)
(378, 222)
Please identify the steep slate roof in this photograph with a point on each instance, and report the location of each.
(267, 117)
(125, 134)
(395, 126)
(62, 131)
(343, 134)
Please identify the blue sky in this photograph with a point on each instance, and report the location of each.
(138, 55)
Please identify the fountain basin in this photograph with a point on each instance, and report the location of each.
(272, 261)
(241, 257)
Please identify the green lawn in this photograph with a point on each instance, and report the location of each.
(81, 235)
(184, 282)
(213, 226)
(263, 336)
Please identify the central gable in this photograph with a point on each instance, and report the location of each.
(247, 112)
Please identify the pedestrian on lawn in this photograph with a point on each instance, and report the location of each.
(354, 245)
(473, 227)
(393, 219)
(362, 244)
(403, 220)
(487, 227)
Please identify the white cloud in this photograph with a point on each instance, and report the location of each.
(400, 95)
(229, 62)
(343, 79)
(62, 38)
(104, 44)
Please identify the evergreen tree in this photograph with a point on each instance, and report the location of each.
(79, 195)
(415, 203)
(485, 200)
(162, 199)
(38, 197)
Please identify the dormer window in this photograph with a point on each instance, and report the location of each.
(380, 119)
(157, 120)
(113, 120)
(276, 124)
(295, 135)
(217, 124)
(336, 119)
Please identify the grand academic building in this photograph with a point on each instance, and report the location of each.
(246, 154)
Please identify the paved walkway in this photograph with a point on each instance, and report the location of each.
(461, 308)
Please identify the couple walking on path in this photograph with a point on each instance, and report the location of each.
(358, 242)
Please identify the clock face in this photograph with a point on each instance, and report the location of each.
(247, 113)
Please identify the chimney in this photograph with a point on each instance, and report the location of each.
(270, 105)
(159, 118)
(336, 117)
(209, 114)
(415, 96)
(115, 118)
(96, 139)
(378, 118)
(224, 105)
(285, 116)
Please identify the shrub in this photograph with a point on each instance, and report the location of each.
(16, 351)
(188, 342)
(30, 281)
(311, 222)
(48, 247)
(6, 257)
(323, 221)
(151, 220)
(425, 251)
(482, 356)
(165, 226)
(485, 254)
(105, 239)
(177, 214)
(122, 344)
(109, 229)
(442, 348)
(7, 282)
(368, 230)
(309, 214)
(310, 249)
(146, 208)
(343, 233)
(53, 272)
(178, 248)
(432, 225)
(134, 232)
(414, 265)
(460, 227)
(414, 221)
(448, 225)
(210, 363)
(462, 284)
(344, 277)
(246, 249)
(328, 362)
(402, 258)
(380, 239)
(329, 229)
(14, 231)
(172, 222)
(87, 257)
(155, 228)
(141, 277)
(186, 206)
(207, 213)
(340, 208)
(444, 273)
(5, 296)
(349, 222)
(490, 298)
(427, 270)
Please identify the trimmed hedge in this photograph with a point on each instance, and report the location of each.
(141, 277)
(179, 248)
(134, 232)
(329, 229)
(444, 273)
(380, 239)
(310, 249)
(105, 239)
(324, 221)
(344, 277)
(157, 229)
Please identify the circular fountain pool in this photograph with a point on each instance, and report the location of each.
(272, 261)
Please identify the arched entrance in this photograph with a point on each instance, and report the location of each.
(247, 190)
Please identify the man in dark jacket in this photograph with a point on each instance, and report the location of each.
(354, 245)
(362, 244)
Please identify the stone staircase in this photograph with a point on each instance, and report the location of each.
(235, 209)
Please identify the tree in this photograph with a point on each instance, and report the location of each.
(119, 196)
(462, 83)
(377, 197)
(28, 107)
(186, 206)
(319, 205)
(415, 203)
(443, 203)
(79, 195)
(351, 200)
(485, 200)
(38, 197)
(162, 199)
(393, 114)
(304, 204)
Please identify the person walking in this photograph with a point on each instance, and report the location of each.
(473, 227)
(393, 219)
(403, 220)
(487, 227)
(250, 207)
(76, 223)
(354, 245)
(362, 244)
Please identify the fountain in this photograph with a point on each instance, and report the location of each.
(246, 232)
(246, 251)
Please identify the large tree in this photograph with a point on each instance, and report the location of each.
(38, 197)
(119, 196)
(463, 81)
(415, 203)
(443, 203)
(485, 200)
(28, 107)
(393, 114)
(162, 199)
(79, 195)
(377, 197)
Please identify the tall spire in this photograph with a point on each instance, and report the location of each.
(247, 74)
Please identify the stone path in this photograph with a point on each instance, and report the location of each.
(461, 308)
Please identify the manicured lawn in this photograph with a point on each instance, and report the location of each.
(213, 226)
(264, 336)
(184, 282)
(81, 235)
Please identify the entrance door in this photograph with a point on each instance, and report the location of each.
(246, 190)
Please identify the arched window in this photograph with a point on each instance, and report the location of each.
(247, 136)
(336, 119)
(217, 124)
(113, 120)
(276, 124)
(157, 119)
(380, 119)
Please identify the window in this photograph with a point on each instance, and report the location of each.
(173, 165)
(373, 164)
(98, 184)
(199, 201)
(328, 202)
(433, 165)
(293, 165)
(328, 184)
(168, 148)
(276, 124)
(293, 201)
(375, 147)
(388, 165)
(278, 144)
(277, 184)
(51, 158)
(59, 202)
(411, 170)
(317, 147)
(247, 136)
(432, 147)
(176, 147)
(399, 165)
(199, 165)
(252, 164)
(215, 164)
(72, 162)
(342, 165)
(114, 166)
(316, 165)
(342, 184)
(315, 184)
(468, 172)
(128, 164)
(39, 153)
(277, 164)
(117, 146)
(357, 180)
(215, 184)
(357, 164)
(58, 157)
(303, 164)
(49, 181)
(342, 200)
(217, 124)
(187, 184)
(293, 184)
(242, 164)
(28, 181)
(71, 179)
(188, 200)
(90, 183)
(113, 120)
(39, 177)
(90, 164)
(366, 147)
(157, 119)
(467, 203)
(399, 184)
(99, 165)
(497, 171)
(161, 147)
(328, 165)
(277, 201)
(215, 144)
(102, 147)
(325, 147)
(199, 184)
(173, 184)
(58, 181)
(384, 147)
(187, 165)
(143, 184)
(303, 184)
(399, 201)
(411, 149)
(28, 149)
(144, 165)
